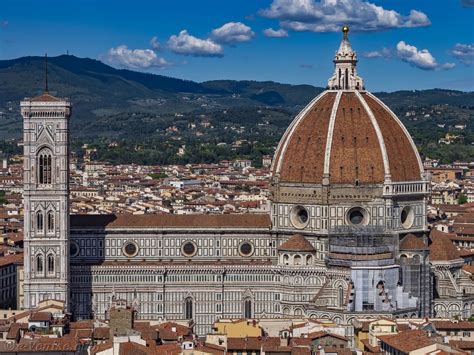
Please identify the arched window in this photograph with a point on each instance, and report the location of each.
(309, 259)
(50, 221)
(297, 260)
(286, 259)
(248, 308)
(44, 166)
(39, 263)
(50, 264)
(39, 220)
(188, 308)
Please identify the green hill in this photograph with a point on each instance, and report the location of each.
(139, 110)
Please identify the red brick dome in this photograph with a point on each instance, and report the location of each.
(347, 136)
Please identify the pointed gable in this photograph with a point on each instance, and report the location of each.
(45, 97)
(412, 242)
(297, 243)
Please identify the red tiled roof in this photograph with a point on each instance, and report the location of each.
(46, 97)
(297, 243)
(168, 349)
(407, 341)
(11, 259)
(101, 347)
(135, 348)
(41, 317)
(412, 242)
(246, 220)
(441, 248)
(448, 325)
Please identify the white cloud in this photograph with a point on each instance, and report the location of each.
(419, 58)
(464, 53)
(270, 32)
(186, 44)
(232, 32)
(122, 56)
(383, 53)
(330, 15)
(154, 43)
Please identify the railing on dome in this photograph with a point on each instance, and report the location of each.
(407, 188)
(359, 244)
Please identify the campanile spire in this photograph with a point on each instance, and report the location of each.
(345, 75)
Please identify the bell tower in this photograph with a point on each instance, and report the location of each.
(46, 198)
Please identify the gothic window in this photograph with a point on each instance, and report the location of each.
(346, 77)
(248, 308)
(39, 264)
(340, 296)
(39, 220)
(188, 308)
(50, 221)
(44, 166)
(50, 264)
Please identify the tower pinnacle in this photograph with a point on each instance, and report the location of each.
(345, 76)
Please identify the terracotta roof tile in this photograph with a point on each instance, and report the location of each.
(412, 242)
(46, 97)
(407, 341)
(303, 159)
(246, 220)
(355, 149)
(41, 317)
(441, 247)
(297, 243)
(402, 158)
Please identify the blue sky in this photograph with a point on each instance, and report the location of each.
(401, 44)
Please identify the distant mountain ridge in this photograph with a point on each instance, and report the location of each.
(99, 91)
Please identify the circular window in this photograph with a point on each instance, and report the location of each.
(73, 249)
(357, 216)
(130, 249)
(246, 249)
(407, 217)
(299, 217)
(189, 249)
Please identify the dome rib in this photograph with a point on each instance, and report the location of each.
(378, 132)
(298, 156)
(404, 161)
(330, 137)
(281, 148)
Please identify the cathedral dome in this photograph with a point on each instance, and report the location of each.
(346, 135)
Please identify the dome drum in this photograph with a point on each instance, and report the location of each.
(346, 149)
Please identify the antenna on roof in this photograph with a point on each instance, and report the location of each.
(46, 73)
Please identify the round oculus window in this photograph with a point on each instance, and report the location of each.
(357, 216)
(73, 249)
(189, 249)
(245, 249)
(299, 216)
(130, 249)
(407, 217)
